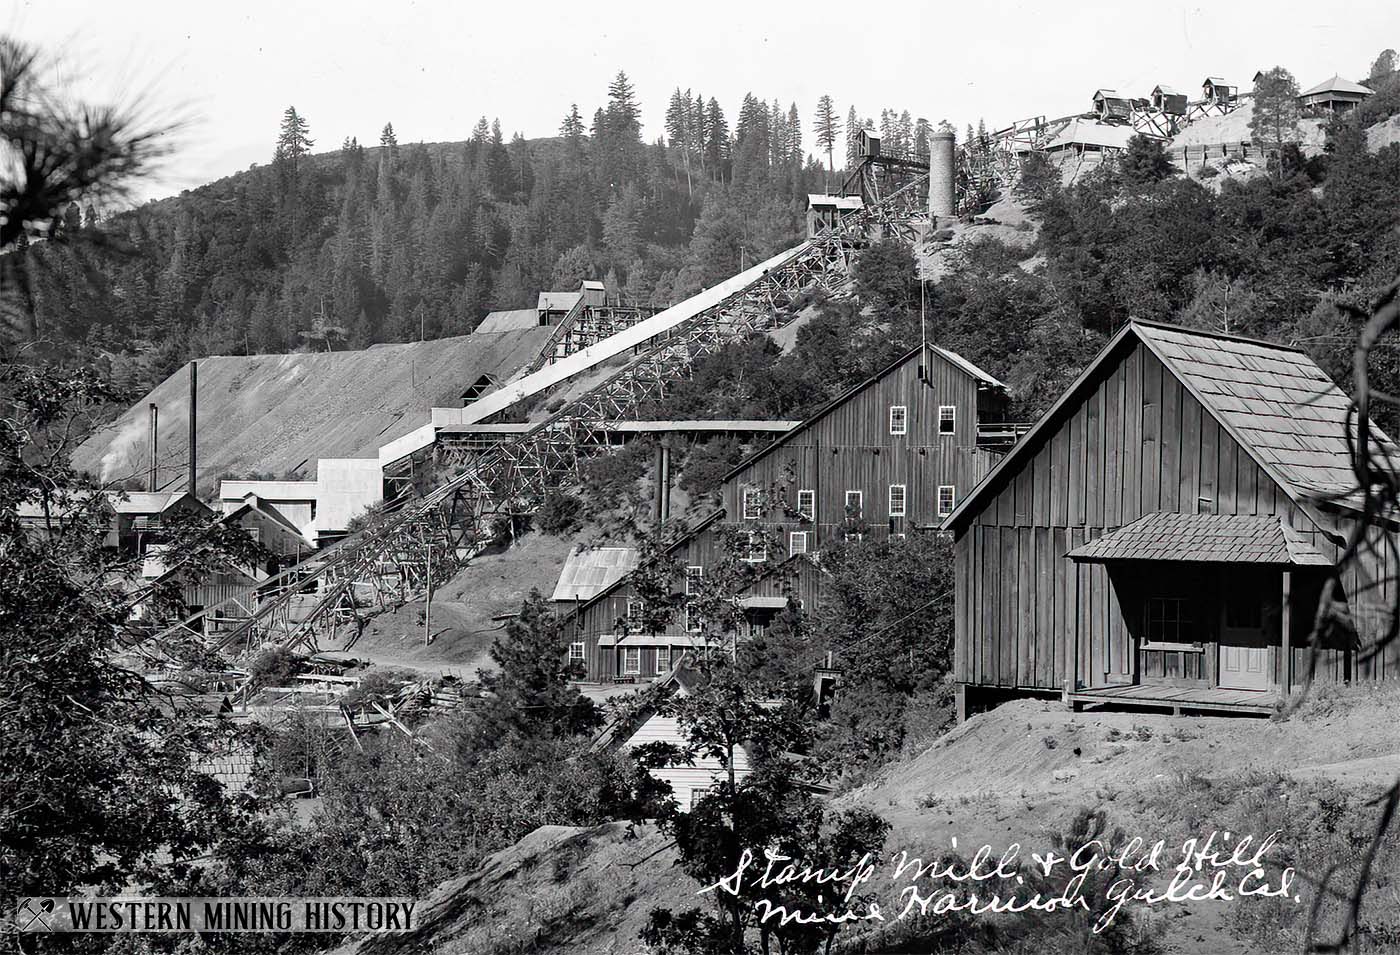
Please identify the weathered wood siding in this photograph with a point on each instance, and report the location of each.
(1139, 442)
(850, 448)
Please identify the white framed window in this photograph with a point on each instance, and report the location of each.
(693, 576)
(855, 503)
(896, 500)
(947, 499)
(753, 503)
(807, 504)
(576, 652)
(758, 549)
(947, 419)
(899, 419)
(663, 659)
(797, 543)
(692, 619)
(631, 660)
(634, 614)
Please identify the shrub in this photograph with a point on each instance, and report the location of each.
(560, 514)
(1208, 172)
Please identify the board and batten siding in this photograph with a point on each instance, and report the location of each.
(685, 781)
(850, 448)
(1138, 442)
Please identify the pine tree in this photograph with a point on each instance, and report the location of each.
(294, 140)
(680, 132)
(388, 141)
(1275, 120)
(716, 138)
(828, 128)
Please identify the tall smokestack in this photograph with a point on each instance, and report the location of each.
(662, 501)
(151, 474)
(194, 413)
(942, 203)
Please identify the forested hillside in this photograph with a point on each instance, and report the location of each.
(395, 242)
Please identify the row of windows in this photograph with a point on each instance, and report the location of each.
(855, 502)
(632, 657)
(947, 419)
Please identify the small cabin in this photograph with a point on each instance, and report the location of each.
(868, 142)
(1216, 92)
(651, 723)
(1161, 537)
(594, 293)
(825, 212)
(1169, 100)
(1334, 95)
(1110, 107)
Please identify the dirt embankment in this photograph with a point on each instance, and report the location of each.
(461, 621)
(1016, 774)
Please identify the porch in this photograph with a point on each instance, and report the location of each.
(1176, 699)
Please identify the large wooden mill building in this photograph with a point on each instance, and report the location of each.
(892, 456)
(1161, 536)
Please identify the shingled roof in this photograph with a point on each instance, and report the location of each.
(1280, 406)
(1203, 538)
(1274, 400)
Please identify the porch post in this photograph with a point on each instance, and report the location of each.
(1286, 625)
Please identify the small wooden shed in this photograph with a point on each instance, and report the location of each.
(1169, 100)
(1162, 535)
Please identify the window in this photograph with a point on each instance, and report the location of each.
(797, 543)
(576, 652)
(634, 615)
(693, 576)
(896, 500)
(947, 499)
(897, 537)
(753, 503)
(692, 619)
(631, 660)
(947, 419)
(663, 659)
(758, 549)
(1169, 620)
(899, 419)
(807, 505)
(855, 502)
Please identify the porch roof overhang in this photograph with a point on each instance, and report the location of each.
(1203, 538)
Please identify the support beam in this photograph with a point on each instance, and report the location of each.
(1286, 625)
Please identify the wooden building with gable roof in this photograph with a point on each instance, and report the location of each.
(1161, 536)
(891, 456)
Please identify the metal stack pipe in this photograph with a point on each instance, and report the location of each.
(942, 200)
(151, 473)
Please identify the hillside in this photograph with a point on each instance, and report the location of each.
(1015, 774)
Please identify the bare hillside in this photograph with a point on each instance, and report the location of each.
(1015, 774)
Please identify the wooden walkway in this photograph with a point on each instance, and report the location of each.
(1178, 699)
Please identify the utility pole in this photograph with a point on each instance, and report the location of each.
(428, 595)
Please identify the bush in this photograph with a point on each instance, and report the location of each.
(560, 514)
(1208, 172)
(274, 666)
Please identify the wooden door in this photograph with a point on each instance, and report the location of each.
(1246, 654)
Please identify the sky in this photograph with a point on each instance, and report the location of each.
(227, 71)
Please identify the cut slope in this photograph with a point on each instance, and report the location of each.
(276, 414)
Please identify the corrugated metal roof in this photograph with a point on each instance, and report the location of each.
(509, 320)
(840, 202)
(1337, 85)
(589, 571)
(1203, 538)
(1277, 402)
(1166, 90)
